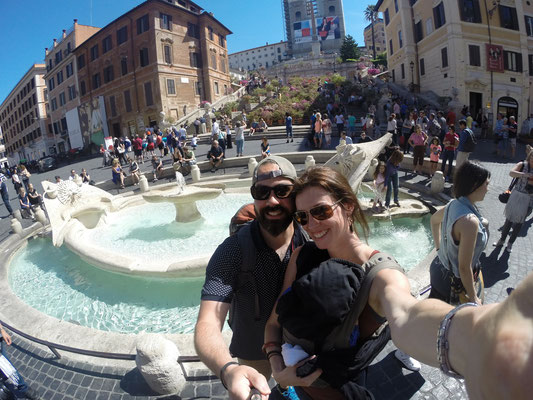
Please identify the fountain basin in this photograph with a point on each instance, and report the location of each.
(185, 201)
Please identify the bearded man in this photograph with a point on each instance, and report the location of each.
(249, 290)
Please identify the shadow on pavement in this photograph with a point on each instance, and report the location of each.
(494, 268)
(387, 377)
(134, 384)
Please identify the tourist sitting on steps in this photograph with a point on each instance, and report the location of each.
(215, 155)
(25, 205)
(157, 167)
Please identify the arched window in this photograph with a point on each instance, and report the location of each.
(331, 9)
(298, 15)
(508, 106)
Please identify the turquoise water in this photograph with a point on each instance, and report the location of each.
(57, 282)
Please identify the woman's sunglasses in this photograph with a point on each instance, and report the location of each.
(260, 192)
(320, 213)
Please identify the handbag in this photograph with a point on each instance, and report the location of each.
(458, 291)
(504, 197)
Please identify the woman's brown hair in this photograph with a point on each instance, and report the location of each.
(337, 187)
(396, 157)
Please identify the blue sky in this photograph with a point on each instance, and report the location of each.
(28, 26)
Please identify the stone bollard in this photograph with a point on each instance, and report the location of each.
(143, 184)
(157, 361)
(437, 182)
(40, 216)
(17, 215)
(309, 162)
(195, 173)
(252, 163)
(16, 226)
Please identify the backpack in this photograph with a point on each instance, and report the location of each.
(338, 345)
(470, 143)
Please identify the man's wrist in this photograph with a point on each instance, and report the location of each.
(224, 370)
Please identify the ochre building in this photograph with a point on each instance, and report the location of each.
(160, 57)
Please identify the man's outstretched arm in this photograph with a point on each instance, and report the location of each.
(214, 352)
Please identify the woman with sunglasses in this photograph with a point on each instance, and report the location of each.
(471, 346)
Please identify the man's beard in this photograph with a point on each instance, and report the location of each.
(277, 226)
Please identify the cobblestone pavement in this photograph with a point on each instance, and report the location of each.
(59, 379)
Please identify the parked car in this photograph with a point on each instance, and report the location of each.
(47, 164)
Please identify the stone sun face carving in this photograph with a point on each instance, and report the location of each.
(68, 192)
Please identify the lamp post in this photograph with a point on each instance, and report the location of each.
(412, 65)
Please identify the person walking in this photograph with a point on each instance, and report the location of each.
(25, 176)
(391, 128)
(465, 147)
(512, 133)
(418, 140)
(288, 127)
(318, 131)
(519, 204)
(239, 138)
(451, 141)
(5, 194)
(391, 177)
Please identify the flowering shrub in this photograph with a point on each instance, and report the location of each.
(373, 71)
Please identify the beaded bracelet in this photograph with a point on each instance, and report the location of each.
(443, 345)
(270, 344)
(273, 353)
(223, 369)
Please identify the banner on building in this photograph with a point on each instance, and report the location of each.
(74, 130)
(494, 57)
(328, 28)
(93, 121)
(302, 31)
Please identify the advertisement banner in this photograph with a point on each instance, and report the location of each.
(494, 57)
(302, 31)
(74, 130)
(93, 121)
(328, 28)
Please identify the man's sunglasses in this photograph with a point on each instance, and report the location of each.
(322, 212)
(260, 192)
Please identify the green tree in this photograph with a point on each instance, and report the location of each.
(381, 59)
(370, 15)
(349, 49)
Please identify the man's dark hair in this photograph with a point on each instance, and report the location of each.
(468, 178)
(462, 122)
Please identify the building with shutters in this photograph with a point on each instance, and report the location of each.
(24, 119)
(163, 56)
(479, 52)
(259, 57)
(62, 82)
(379, 37)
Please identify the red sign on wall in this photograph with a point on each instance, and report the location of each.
(494, 57)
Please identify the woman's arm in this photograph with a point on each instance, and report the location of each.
(436, 220)
(465, 231)
(285, 376)
(516, 171)
(491, 346)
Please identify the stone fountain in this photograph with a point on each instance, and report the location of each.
(184, 198)
(76, 209)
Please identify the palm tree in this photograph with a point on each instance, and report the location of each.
(370, 15)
